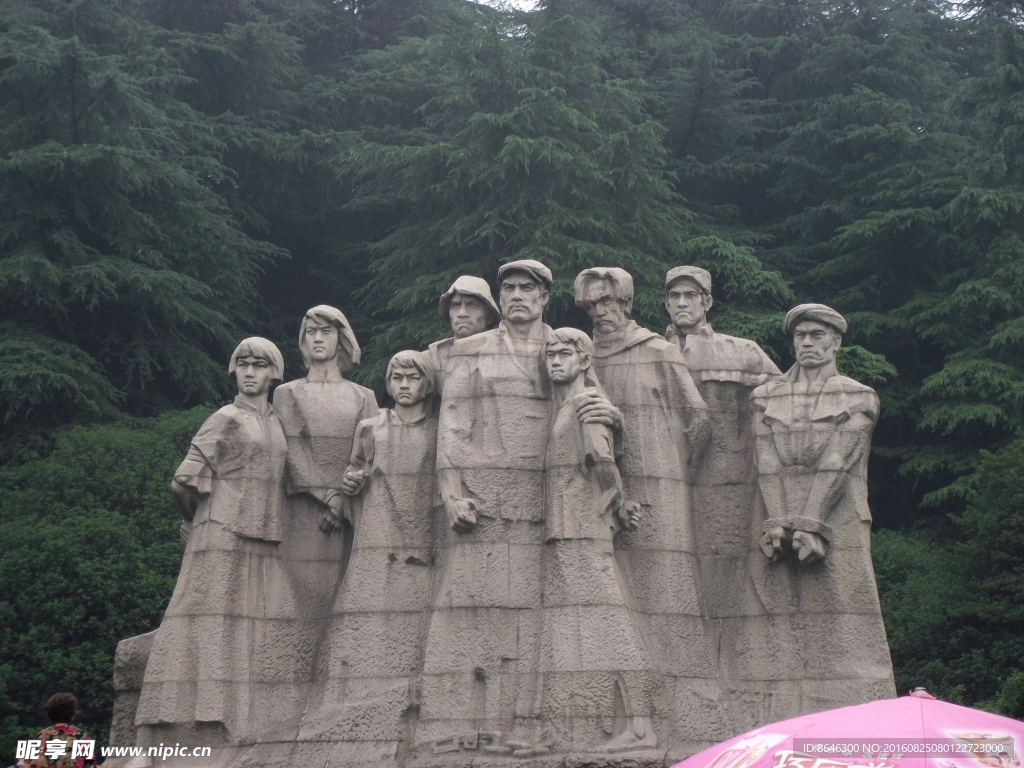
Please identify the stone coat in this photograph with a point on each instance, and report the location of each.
(822, 642)
(481, 649)
(726, 370)
(319, 413)
(593, 659)
(375, 640)
(665, 432)
(221, 654)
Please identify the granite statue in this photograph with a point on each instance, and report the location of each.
(375, 640)
(665, 434)
(221, 662)
(821, 643)
(479, 674)
(594, 662)
(725, 369)
(582, 551)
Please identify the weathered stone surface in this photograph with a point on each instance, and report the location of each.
(130, 661)
(221, 655)
(611, 552)
(374, 643)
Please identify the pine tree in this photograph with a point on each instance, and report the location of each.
(510, 142)
(124, 278)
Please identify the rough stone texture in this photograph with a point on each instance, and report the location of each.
(479, 670)
(665, 432)
(223, 653)
(725, 370)
(820, 633)
(597, 676)
(319, 414)
(504, 605)
(130, 661)
(373, 648)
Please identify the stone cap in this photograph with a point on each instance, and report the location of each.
(818, 312)
(469, 285)
(700, 276)
(539, 272)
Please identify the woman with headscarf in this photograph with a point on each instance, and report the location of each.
(206, 679)
(319, 413)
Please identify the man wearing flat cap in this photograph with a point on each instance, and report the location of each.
(468, 307)
(815, 578)
(496, 412)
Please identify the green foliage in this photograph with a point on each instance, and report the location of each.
(116, 249)
(954, 600)
(159, 159)
(514, 151)
(90, 555)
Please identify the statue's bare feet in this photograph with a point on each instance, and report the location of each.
(638, 735)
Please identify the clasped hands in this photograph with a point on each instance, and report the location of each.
(808, 547)
(334, 518)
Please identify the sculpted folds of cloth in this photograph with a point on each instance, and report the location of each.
(822, 640)
(609, 551)
(593, 661)
(665, 433)
(479, 663)
(374, 643)
(220, 669)
(319, 414)
(725, 370)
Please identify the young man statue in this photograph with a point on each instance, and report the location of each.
(593, 660)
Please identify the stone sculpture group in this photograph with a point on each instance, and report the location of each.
(555, 549)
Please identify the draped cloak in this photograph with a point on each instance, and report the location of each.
(822, 642)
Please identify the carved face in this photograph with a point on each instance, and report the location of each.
(608, 313)
(686, 303)
(522, 298)
(468, 315)
(253, 375)
(407, 386)
(564, 362)
(815, 343)
(321, 341)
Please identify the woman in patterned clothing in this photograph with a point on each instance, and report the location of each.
(61, 708)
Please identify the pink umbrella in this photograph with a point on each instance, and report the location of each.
(915, 731)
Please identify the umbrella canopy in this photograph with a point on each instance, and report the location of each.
(909, 732)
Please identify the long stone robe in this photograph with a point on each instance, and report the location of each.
(221, 664)
(821, 643)
(726, 370)
(665, 432)
(481, 650)
(319, 413)
(593, 664)
(375, 639)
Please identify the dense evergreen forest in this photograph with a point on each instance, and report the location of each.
(177, 174)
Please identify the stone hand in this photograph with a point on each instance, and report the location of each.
(630, 515)
(594, 408)
(353, 483)
(772, 543)
(809, 547)
(327, 523)
(461, 514)
(333, 518)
